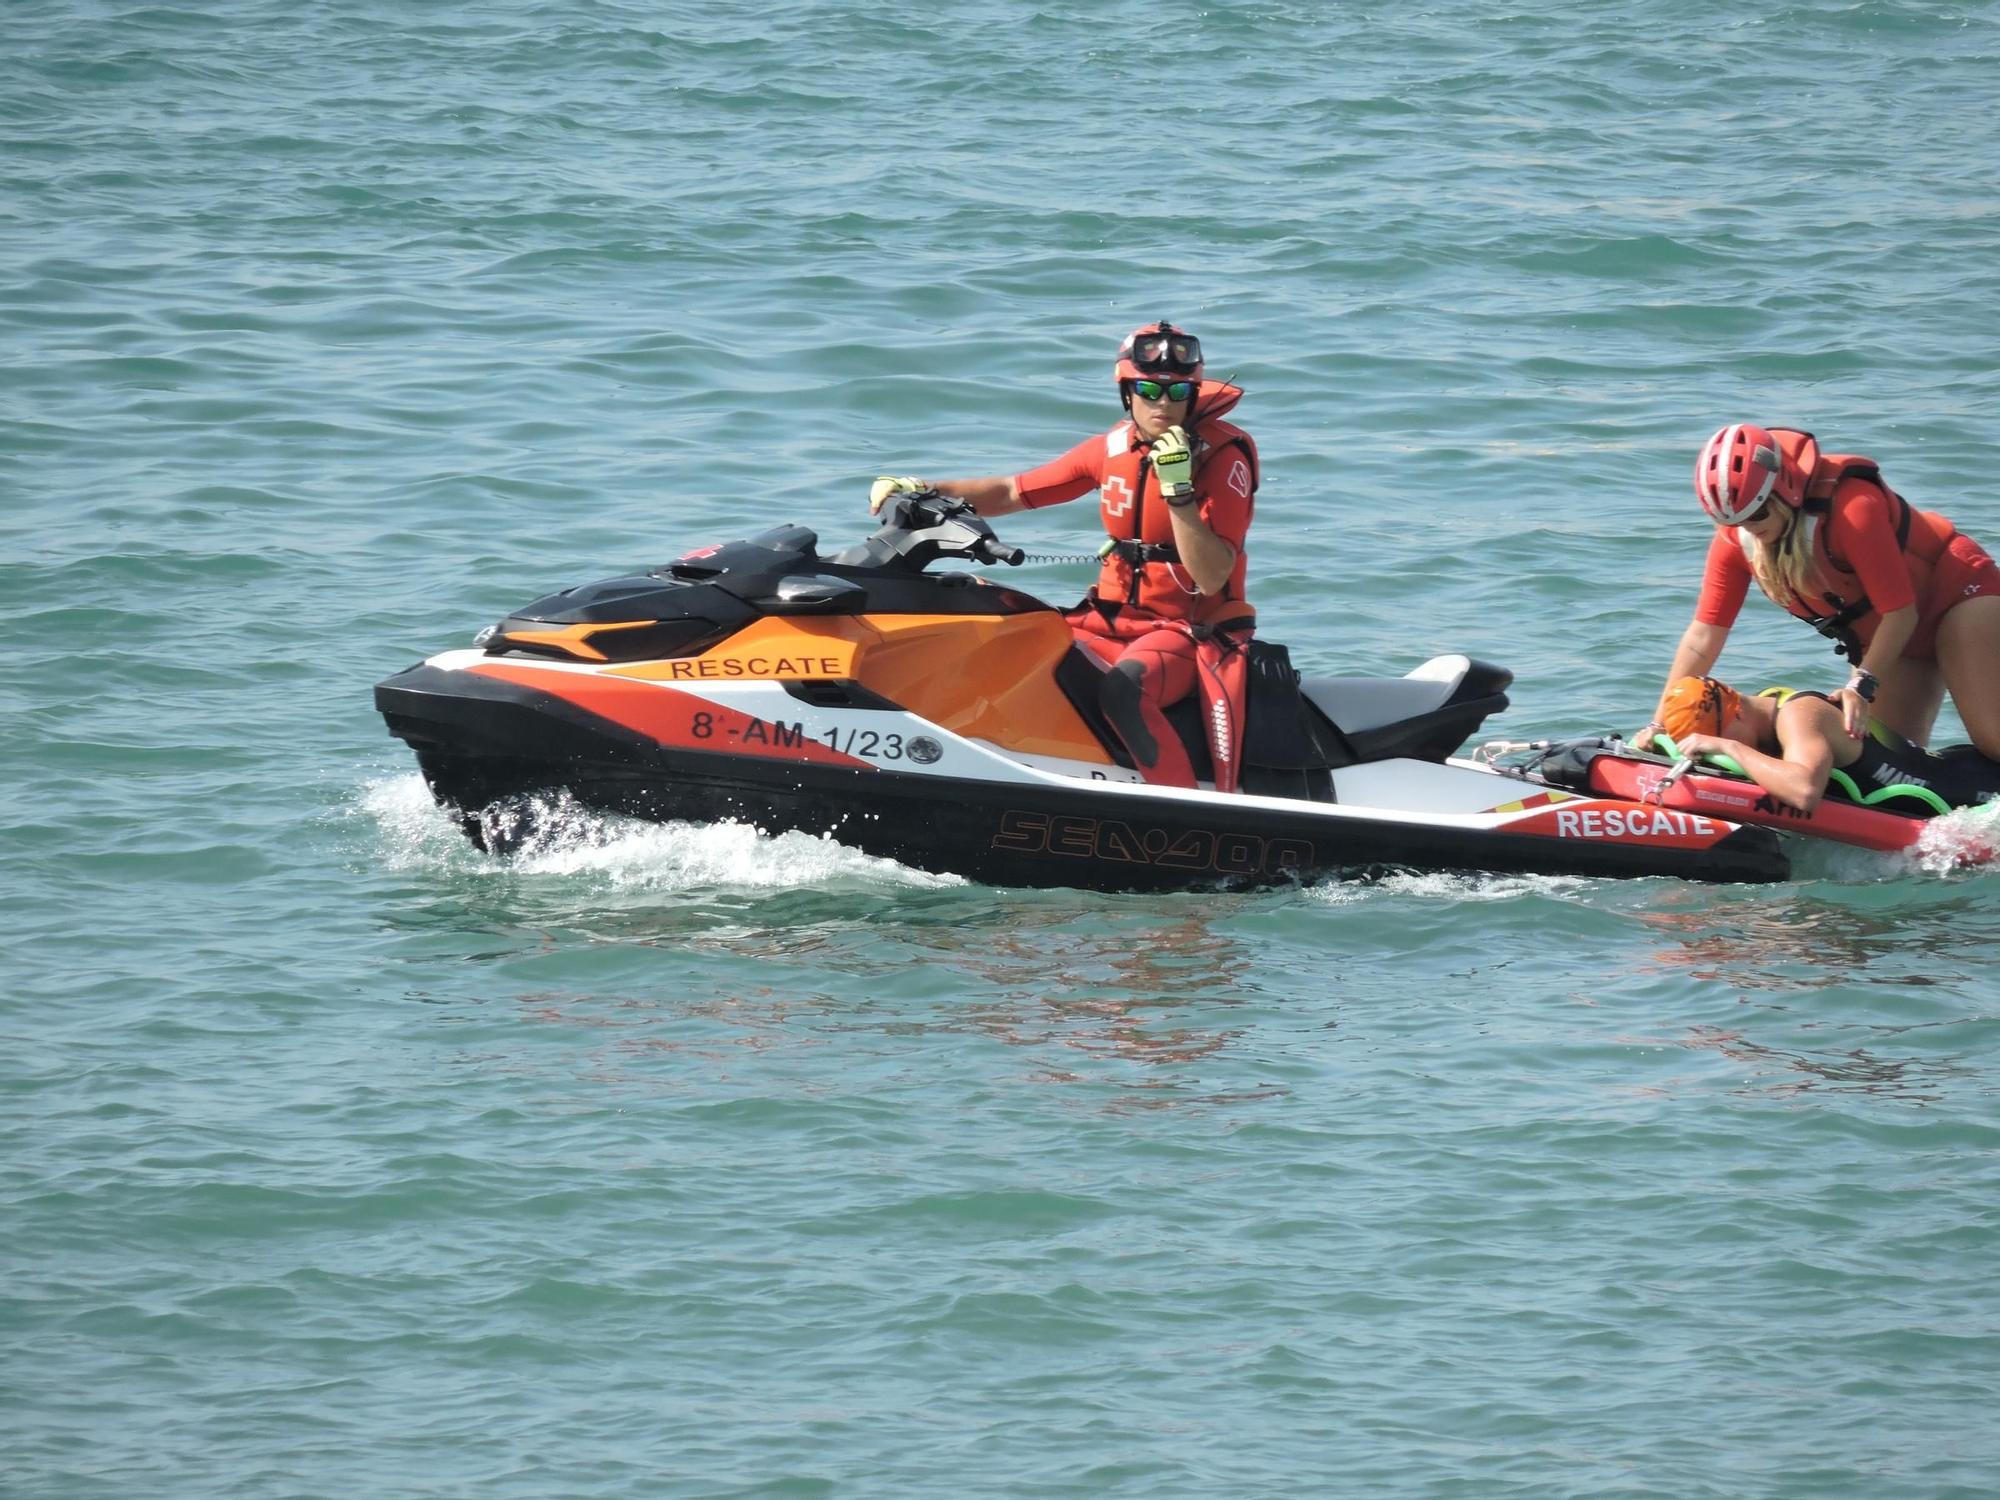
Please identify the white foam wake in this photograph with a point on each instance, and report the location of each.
(1963, 840)
(564, 839)
(1446, 886)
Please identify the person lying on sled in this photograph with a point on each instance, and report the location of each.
(1176, 486)
(1790, 743)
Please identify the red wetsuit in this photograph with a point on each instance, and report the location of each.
(1856, 554)
(1144, 615)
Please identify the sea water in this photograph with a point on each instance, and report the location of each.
(337, 1158)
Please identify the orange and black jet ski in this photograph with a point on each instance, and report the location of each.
(949, 722)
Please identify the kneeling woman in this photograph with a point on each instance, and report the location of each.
(1912, 603)
(1790, 743)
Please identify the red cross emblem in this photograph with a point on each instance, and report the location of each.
(1117, 495)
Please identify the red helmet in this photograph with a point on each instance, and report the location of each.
(1159, 349)
(1739, 469)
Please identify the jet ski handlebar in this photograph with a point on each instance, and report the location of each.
(993, 550)
(920, 526)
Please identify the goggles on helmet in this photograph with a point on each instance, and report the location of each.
(1166, 352)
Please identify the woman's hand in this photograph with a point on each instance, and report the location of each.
(1710, 744)
(1856, 701)
(1853, 710)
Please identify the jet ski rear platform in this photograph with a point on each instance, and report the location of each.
(950, 724)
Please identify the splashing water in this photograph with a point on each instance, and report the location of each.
(1446, 886)
(556, 836)
(1960, 841)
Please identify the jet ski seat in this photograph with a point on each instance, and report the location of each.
(1425, 714)
(1299, 729)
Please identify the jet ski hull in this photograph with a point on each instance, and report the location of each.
(953, 724)
(501, 736)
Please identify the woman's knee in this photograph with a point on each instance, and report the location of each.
(1910, 700)
(1968, 654)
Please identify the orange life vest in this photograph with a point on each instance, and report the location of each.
(1145, 573)
(1832, 599)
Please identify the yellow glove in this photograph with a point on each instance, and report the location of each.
(1173, 461)
(880, 491)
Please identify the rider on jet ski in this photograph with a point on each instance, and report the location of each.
(1790, 742)
(1167, 614)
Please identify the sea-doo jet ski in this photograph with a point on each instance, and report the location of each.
(952, 724)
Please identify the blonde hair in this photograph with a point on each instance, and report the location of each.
(1783, 567)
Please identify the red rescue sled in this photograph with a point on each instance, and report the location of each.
(1716, 795)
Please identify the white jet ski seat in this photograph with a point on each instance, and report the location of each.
(1425, 714)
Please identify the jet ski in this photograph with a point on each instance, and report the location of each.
(949, 722)
(1886, 818)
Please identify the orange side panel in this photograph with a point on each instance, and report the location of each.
(985, 677)
(671, 717)
(988, 677)
(773, 649)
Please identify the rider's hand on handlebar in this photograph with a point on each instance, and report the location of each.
(1173, 461)
(888, 485)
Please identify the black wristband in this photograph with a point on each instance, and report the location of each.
(1184, 503)
(1865, 685)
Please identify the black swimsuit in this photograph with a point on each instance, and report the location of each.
(1959, 774)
